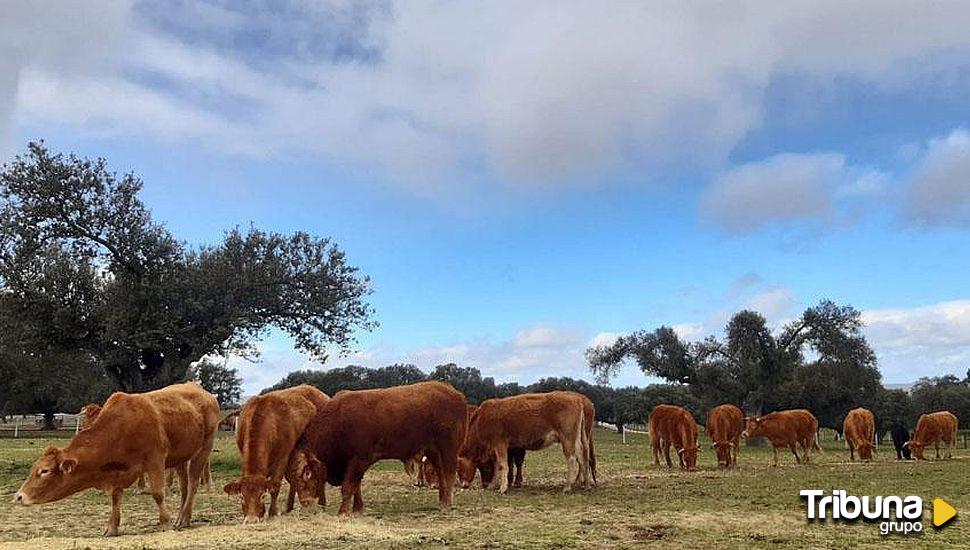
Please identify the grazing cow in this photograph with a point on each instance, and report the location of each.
(91, 411)
(724, 426)
(672, 425)
(531, 421)
(134, 433)
(786, 429)
(859, 430)
(931, 429)
(358, 428)
(268, 428)
(900, 437)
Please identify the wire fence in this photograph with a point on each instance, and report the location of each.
(68, 424)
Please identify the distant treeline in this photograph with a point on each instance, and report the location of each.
(632, 405)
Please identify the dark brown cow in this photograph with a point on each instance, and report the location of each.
(931, 429)
(786, 429)
(532, 421)
(134, 433)
(358, 428)
(859, 429)
(672, 425)
(724, 426)
(268, 428)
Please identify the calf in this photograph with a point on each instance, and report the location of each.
(672, 425)
(531, 421)
(931, 429)
(786, 429)
(168, 428)
(358, 428)
(900, 437)
(724, 426)
(859, 429)
(267, 430)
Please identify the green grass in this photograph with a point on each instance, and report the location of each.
(754, 506)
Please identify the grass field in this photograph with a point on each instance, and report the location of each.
(636, 503)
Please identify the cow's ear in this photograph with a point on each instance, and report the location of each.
(68, 465)
(233, 488)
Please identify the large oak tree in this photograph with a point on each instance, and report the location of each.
(149, 305)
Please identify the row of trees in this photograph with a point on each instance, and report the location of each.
(95, 294)
(628, 405)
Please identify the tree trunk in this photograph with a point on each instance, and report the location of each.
(49, 421)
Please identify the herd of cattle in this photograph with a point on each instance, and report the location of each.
(302, 435)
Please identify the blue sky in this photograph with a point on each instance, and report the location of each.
(523, 182)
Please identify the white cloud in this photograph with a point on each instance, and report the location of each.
(781, 189)
(776, 303)
(533, 92)
(938, 193)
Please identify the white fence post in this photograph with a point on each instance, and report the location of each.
(16, 427)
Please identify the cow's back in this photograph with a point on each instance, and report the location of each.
(791, 426)
(188, 414)
(724, 422)
(859, 425)
(391, 423)
(527, 420)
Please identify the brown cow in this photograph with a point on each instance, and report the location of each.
(859, 429)
(532, 421)
(931, 429)
(134, 433)
(268, 428)
(786, 428)
(672, 425)
(91, 411)
(724, 426)
(358, 428)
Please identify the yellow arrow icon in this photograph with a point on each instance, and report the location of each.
(942, 512)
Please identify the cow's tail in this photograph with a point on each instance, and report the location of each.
(592, 458)
(815, 444)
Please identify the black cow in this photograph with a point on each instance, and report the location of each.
(900, 436)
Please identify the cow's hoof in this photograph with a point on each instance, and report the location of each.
(181, 523)
(165, 520)
(110, 531)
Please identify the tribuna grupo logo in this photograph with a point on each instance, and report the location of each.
(895, 514)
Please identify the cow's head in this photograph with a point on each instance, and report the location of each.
(689, 457)
(865, 450)
(55, 475)
(915, 448)
(466, 472)
(307, 476)
(753, 426)
(723, 451)
(252, 488)
(429, 472)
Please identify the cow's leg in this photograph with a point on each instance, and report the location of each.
(182, 470)
(447, 472)
(807, 451)
(573, 464)
(794, 451)
(290, 500)
(358, 499)
(519, 461)
(666, 448)
(500, 478)
(156, 478)
(936, 445)
(655, 444)
(775, 451)
(194, 471)
(114, 519)
(851, 451)
(348, 489)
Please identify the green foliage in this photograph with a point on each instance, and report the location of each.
(143, 305)
(220, 381)
(756, 369)
(945, 393)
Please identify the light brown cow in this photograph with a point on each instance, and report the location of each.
(266, 433)
(859, 429)
(134, 433)
(672, 425)
(532, 421)
(786, 429)
(91, 411)
(358, 428)
(724, 426)
(931, 429)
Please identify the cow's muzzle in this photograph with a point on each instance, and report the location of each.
(20, 498)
